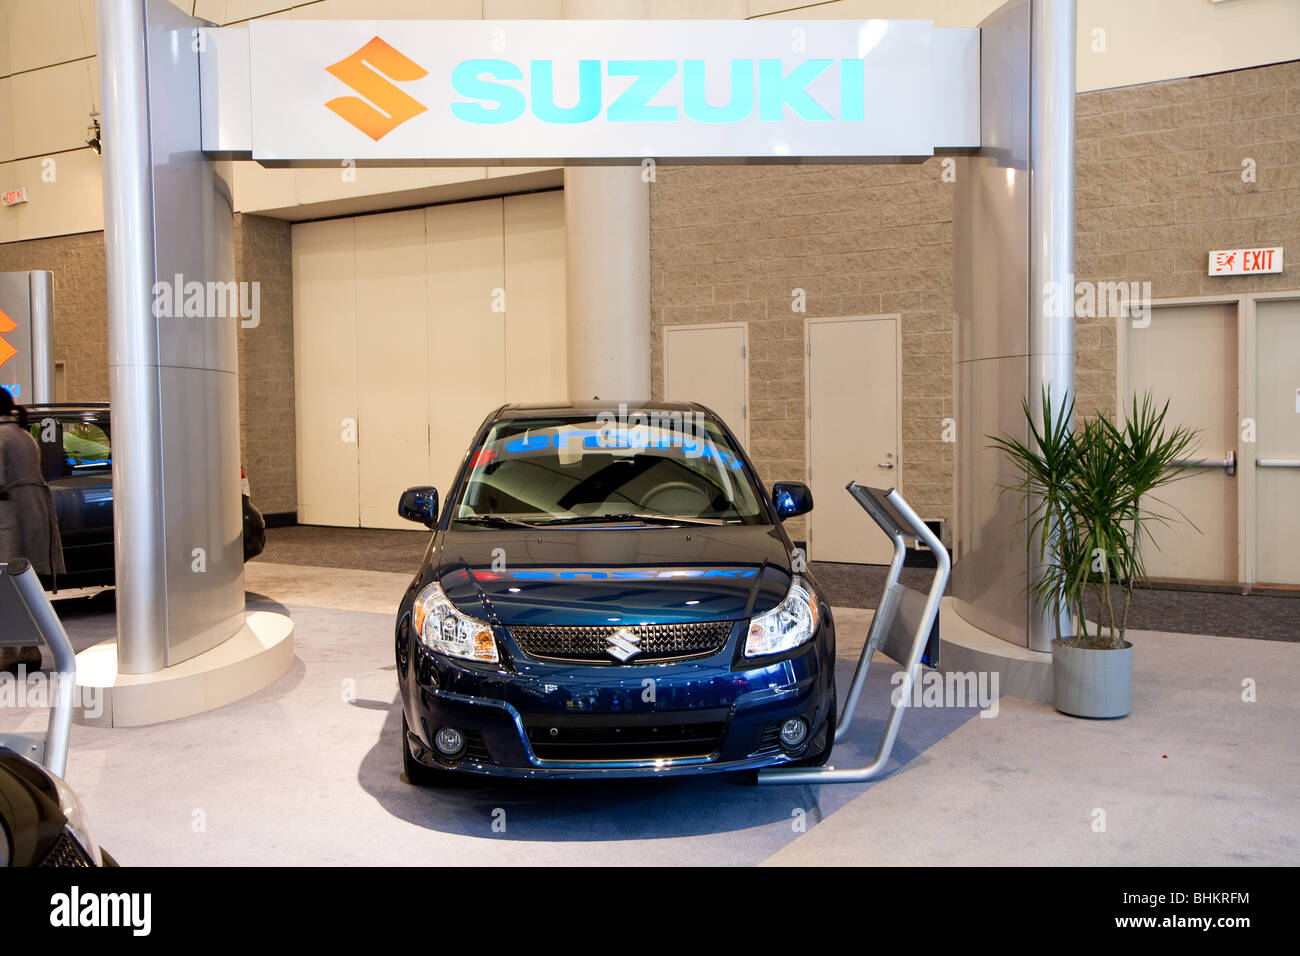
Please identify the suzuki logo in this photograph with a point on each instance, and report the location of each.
(623, 644)
(7, 324)
(382, 107)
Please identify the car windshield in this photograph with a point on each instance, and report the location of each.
(583, 469)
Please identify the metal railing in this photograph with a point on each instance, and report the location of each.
(27, 619)
(899, 629)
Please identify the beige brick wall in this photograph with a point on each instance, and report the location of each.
(80, 306)
(266, 390)
(730, 243)
(266, 396)
(1159, 185)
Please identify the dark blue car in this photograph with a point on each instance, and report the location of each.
(609, 592)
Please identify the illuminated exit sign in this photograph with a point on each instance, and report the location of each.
(15, 196)
(1244, 262)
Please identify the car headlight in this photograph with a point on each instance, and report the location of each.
(78, 823)
(446, 630)
(786, 626)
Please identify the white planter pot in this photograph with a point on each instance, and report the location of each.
(1092, 683)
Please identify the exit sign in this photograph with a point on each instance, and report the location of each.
(15, 196)
(1244, 262)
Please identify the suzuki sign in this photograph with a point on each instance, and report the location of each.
(473, 91)
(27, 336)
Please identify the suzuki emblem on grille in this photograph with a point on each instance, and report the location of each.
(623, 644)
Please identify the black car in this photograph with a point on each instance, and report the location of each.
(41, 820)
(611, 594)
(76, 462)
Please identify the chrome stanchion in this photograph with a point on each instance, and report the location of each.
(27, 618)
(897, 520)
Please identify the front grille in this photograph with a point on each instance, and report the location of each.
(658, 642)
(475, 747)
(654, 737)
(769, 741)
(66, 852)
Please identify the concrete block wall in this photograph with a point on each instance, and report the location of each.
(266, 394)
(80, 306)
(732, 243)
(266, 386)
(1158, 185)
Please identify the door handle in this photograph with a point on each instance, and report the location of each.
(1228, 463)
(886, 464)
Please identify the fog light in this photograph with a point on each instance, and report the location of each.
(793, 732)
(449, 741)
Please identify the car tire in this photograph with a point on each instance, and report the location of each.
(417, 774)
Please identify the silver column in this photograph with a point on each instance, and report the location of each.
(1051, 236)
(173, 380)
(40, 284)
(607, 282)
(1013, 235)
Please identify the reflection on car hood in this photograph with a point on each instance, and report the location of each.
(613, 575)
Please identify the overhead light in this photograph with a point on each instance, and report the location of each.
(93, 138)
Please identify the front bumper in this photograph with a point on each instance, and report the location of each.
(534, 719)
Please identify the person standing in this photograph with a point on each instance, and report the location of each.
(29, 526)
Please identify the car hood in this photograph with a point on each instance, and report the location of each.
(600, 575)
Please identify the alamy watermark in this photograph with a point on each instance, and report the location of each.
(954, 689)
(1100, 300)
(653, 429)
(39, 689)
(179, 299)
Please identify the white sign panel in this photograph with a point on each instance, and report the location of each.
(1245, 262)
(550, 90)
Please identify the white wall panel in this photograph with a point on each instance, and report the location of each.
(325, 367)
(70, 202)
(51, 107)
(535, 349)
(466, 337)
(392, 363)
(395, 327)
(43, 32)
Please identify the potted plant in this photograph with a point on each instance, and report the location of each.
(1088, 497)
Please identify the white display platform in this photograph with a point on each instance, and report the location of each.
(964, 647)
(256, 656)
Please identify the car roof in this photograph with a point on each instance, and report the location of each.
(593, 408)
(68, 408)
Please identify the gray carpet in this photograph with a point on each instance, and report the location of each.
(1260, 616)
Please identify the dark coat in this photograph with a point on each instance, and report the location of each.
(29, 526)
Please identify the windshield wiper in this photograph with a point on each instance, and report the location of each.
(647, 518)
(493, 521)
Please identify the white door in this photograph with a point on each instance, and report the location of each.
(325, 371)
(465, 279)
(536, 354)
(392, 363)
(410, 327)
(1277, 441)
(707, 364)
(853, 432)
(1188, 355)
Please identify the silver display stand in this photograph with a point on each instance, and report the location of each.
(900, 630)
(27, 619)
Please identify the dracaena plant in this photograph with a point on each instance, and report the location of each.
(1088, 496)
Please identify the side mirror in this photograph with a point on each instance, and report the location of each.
(791, 499)
(419, 504)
